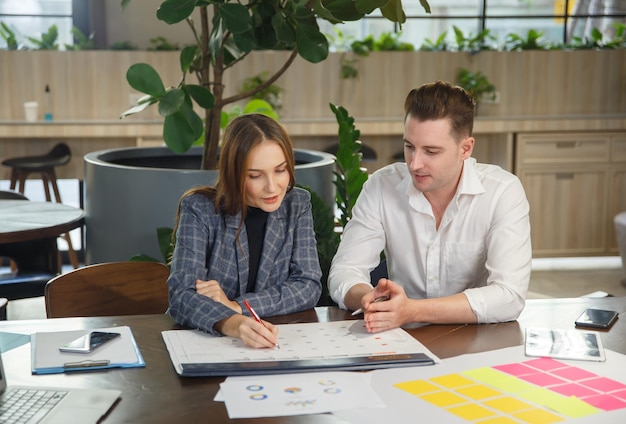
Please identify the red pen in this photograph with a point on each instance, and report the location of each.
(255, 316)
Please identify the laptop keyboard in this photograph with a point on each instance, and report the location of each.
(28, 405)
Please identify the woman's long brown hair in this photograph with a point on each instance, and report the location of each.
(240, 137)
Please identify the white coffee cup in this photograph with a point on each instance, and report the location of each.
(31, 111)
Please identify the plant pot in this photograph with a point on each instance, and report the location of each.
(131, 192)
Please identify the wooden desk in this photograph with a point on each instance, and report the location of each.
(22, 220)
(155, 394)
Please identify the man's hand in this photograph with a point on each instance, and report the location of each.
(392, 313)
(213, 290)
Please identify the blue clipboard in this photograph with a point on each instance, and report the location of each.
(46, 358)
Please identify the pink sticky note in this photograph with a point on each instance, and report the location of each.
(542, 379)
(574, 373)
(605, 402)
(515, 369)
(545, 364)
(574, 389)
(603, 384)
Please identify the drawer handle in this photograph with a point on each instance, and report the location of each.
(565, 144)
(564, 175)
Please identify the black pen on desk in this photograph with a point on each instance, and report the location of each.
(378, 299)
(255, 316)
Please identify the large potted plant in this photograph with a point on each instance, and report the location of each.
(224, 38)
(127, 199)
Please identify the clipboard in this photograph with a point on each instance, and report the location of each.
(304, 347)
(46, 358)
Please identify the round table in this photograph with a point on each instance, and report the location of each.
(22, 220)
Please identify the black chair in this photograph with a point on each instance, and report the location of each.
(3, 308)
(31, 264)
(12, 195)
(44, 165)
(35, 267)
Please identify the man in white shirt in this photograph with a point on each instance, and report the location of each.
(455, 233)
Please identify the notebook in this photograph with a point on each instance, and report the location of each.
(57, 405)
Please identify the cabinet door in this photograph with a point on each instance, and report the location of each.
(567, 210)
(617, 204)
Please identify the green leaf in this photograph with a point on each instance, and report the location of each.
(260, 106)
(235, 17)
(393, 11)
(322, 12)
(596, 35)
(144, 78)
(166, 243)
(171, 102)
(187, 56)
(201, 95)
(181, 129)
(174, 11)
(245, 42)
(368, 6)
(284, 32)
(311, 44)
(344, 10)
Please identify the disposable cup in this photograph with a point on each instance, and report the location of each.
(31, 110)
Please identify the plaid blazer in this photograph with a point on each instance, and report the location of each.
(207, 248)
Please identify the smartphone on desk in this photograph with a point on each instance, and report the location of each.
(596, 318)
(88, 342)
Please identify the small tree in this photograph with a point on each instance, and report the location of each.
(233, 31)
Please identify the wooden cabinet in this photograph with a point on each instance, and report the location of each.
(576, 184)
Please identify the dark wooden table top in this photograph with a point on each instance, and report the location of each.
(156, 394)
(22, 220)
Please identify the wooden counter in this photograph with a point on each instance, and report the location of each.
(495, 136)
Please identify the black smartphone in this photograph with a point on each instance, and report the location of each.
(88, 342)
(596, 318)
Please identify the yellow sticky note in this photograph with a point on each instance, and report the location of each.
(478, 392)
(508, 404)
(499, 420)
(443, 399)
(417, 387)
(452, 380)
(471, 412)
(576, 408)
(538, 416)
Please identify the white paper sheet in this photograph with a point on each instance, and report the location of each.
(297, 394)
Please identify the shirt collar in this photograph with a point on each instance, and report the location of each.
(468, 184)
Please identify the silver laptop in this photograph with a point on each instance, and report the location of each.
(52, 405)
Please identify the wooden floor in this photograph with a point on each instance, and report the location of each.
(543, 283)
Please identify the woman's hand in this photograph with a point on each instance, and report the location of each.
(251, 332)
(213, 290)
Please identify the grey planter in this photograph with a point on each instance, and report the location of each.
(131, 192)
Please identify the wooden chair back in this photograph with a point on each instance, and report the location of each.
(108, 289)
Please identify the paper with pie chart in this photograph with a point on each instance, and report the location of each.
(297, 394)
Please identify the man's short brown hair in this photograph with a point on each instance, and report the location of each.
(442, 100)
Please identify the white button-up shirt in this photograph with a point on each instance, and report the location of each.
(482, 247)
